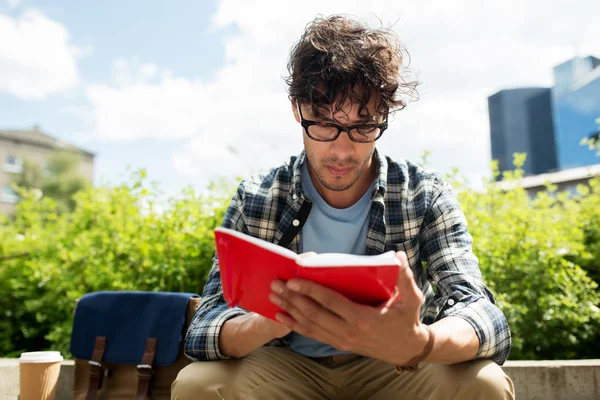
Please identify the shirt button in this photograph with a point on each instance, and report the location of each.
(295, 196)
(295, 222)
(450, 302)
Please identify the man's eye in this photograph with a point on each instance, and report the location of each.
(366, 129)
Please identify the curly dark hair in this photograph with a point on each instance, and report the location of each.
(338, 60)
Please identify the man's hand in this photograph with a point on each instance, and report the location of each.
(391, 332)
(243, 334)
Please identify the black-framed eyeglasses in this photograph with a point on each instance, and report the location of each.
(328, 132)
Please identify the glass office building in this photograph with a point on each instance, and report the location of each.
(548, 123)
(521, 122)
(576, 106)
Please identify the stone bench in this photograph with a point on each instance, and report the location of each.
(534, 380)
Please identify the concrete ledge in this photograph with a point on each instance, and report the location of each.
(555, 380)
(534, 380)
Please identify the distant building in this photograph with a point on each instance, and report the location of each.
(521, 122)
(16, 146)
(576, 106)
(548, 124)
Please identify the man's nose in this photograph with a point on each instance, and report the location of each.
(343, 145)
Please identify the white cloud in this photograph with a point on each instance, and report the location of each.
(464, 51)
(36, 56)
(147, 102)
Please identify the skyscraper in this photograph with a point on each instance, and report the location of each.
(548, 123)
(521, 122)
(576, 106)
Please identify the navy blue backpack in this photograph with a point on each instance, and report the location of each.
(129, 345)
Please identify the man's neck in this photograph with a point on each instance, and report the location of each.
(348, 197)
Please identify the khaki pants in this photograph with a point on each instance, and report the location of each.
(279, 373)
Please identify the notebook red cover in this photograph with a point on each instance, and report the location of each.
(248, 265)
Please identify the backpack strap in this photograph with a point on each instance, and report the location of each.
(293, 230)
(144, 369)
(95, 368)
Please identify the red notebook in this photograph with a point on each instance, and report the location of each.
(248, 266)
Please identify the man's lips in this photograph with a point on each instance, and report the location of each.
(335, 170)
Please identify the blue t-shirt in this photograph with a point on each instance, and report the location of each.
(330, 230)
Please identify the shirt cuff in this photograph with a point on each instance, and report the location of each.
(489, 324)
(203, 341)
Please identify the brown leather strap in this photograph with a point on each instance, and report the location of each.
(95, 368)
(144, 369)
(414, 363)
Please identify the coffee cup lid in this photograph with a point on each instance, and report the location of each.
(40, 356)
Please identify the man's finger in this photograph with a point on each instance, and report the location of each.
(308, 314)
(329, 299)
(319, 335)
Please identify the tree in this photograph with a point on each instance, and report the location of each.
(592, 142)
(64, 180)
(31, 177)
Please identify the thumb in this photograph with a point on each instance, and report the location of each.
(408, 291)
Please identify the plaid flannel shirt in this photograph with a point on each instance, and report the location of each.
(412, 210)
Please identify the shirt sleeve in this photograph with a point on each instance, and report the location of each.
(453, 269)
(202, 338)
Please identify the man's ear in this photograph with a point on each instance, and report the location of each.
(295, 110)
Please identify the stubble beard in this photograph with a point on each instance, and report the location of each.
(338, 184)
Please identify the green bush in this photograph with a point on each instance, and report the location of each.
(115, 239)
(531, 252)
(589, 213)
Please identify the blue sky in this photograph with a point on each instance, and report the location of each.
(192, 90)
(179, 41)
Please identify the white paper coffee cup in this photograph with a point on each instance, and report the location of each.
(38, 374)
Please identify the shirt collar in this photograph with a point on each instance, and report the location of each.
(382, 165)
(296, 188)
(380, 186)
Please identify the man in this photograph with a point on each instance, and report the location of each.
(440, 337)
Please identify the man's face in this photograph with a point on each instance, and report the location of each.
(339, 164)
